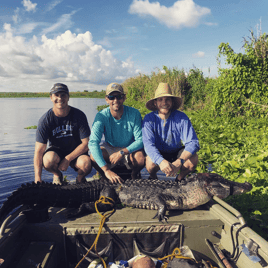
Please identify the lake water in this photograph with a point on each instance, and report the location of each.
(17, 143)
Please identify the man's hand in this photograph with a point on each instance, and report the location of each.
(64, 164)
(112, 177)
(176, 169)
(169, 169)
(115, 158)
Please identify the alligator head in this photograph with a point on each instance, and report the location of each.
(220, 187)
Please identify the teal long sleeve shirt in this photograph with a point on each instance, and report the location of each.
(125, 132)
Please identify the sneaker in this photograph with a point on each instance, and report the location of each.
(84, 180)
(58, 180)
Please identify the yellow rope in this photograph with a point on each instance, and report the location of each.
(177, 254)
(103, 200)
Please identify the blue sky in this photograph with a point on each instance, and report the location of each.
(88, 44)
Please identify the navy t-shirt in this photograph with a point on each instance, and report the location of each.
(63, 132)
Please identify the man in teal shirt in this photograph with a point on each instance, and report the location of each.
(122, 128)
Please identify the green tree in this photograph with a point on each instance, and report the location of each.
(197, 90)
(241, 89)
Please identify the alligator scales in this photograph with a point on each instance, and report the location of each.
(159, 195)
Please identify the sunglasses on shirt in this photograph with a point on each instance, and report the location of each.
(118, 97)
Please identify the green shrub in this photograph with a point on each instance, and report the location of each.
(242, 89)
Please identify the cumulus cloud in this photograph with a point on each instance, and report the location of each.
(184, 13)
(29, 6)
(67, 57)
(199, 54)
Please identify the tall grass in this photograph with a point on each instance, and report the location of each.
(190, 87)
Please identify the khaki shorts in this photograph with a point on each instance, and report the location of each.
(110, 150)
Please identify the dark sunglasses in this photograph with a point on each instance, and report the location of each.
(118, 97)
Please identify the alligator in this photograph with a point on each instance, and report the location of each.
(195, 190)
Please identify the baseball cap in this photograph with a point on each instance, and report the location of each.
(114, 87)
(59, 88)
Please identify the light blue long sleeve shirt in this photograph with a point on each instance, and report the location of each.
(125, 132)
(168, 136)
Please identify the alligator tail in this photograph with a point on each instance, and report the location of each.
(51, 195)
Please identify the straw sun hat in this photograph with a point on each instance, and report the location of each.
(163, 90)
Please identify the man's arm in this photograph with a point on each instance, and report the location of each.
(80, 149)
(188, 136)
(110, 175)
(38, 160)
(172, 169)
(137, 144)
(185, 155)
(149, 139)
(95, 139)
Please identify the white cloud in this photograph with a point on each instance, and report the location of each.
(113, 31)
(67, 57)
(27, 28)
(199, 54)
(106, 42)
(132, 29)
(15, 17)
(53, 4)
(183, 13)
(211, 23)
(64, 21)
(29, 6)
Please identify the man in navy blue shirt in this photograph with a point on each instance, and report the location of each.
(67, 132)
(169, 139)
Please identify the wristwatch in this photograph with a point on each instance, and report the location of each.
(122, 152)
(182, 161)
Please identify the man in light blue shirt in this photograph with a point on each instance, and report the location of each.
(121, 126)
(164, 130)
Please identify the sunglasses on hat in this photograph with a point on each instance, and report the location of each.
(118, 97)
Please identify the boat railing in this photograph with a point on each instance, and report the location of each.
(10, 218)
(235, 212)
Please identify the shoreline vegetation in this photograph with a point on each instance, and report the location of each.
(85, 94)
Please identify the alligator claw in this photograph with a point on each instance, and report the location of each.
(161, 218)
(182, 181)
(155, 215)
(165, 219)
(84, 209)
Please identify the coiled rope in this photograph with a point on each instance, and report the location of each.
(177, 254)
(104, 216)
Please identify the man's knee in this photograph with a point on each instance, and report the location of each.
(138, 159)
(84, 163)
(150, 165)
(50, 160)
(192, 162)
